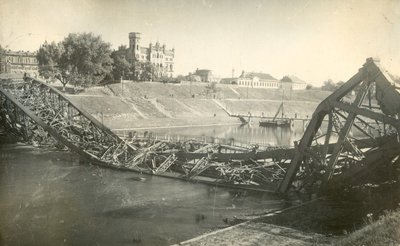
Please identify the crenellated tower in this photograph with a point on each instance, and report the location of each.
(134, 44)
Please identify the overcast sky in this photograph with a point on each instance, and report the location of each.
(314, 40)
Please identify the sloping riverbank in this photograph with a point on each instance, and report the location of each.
(366, 216)
(384, 231)
(150, 104)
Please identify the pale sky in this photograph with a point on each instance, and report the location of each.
(314, 40)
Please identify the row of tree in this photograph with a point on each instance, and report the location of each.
(329, 85)
(84, 59)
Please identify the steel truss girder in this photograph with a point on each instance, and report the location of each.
(370, 73)
(68, 124)
(51, 113)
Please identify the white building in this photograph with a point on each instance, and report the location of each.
(292, 82)
(258, 80)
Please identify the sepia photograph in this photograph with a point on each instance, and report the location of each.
(199, 122)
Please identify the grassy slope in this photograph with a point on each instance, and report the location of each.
(98, 104)
(385, 231)
(269, 108)
(105, 102)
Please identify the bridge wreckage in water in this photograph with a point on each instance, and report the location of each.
(326, 155)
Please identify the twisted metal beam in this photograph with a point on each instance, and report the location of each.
(386, 113)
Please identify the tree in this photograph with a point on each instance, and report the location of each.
(63, 78)
(180, 78)
(48, 57)
(143, 71)
(339, 84)
(212, 86)
(86, 58)
(49, 54)
(329, 85)
(121, 67)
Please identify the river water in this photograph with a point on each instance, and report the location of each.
(50, 197)
(234, 134)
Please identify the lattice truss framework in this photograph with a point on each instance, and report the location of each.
(40, 114)
(353, 134)
(34, 112)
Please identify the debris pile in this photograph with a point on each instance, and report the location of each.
(349, 140)
(40, 114)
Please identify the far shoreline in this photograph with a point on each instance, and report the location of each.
(168, 127)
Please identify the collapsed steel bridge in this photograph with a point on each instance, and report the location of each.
(327, 155)
(39, 114)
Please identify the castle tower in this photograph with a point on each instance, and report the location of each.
(134, 44)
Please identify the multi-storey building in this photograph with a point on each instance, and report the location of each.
(18, 62)
(158, 55)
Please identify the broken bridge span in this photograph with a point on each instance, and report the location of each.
(326, 155)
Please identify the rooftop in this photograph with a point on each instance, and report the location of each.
(202, 71)
(292, 79)
(20, 52)
(263, 76)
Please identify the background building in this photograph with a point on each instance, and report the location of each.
(19, 62)
(258, 80)
(203, 75)
(291, 82)
(158, 55)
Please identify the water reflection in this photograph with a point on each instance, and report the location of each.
(273, 136)
(234, 134)
(243, 135)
